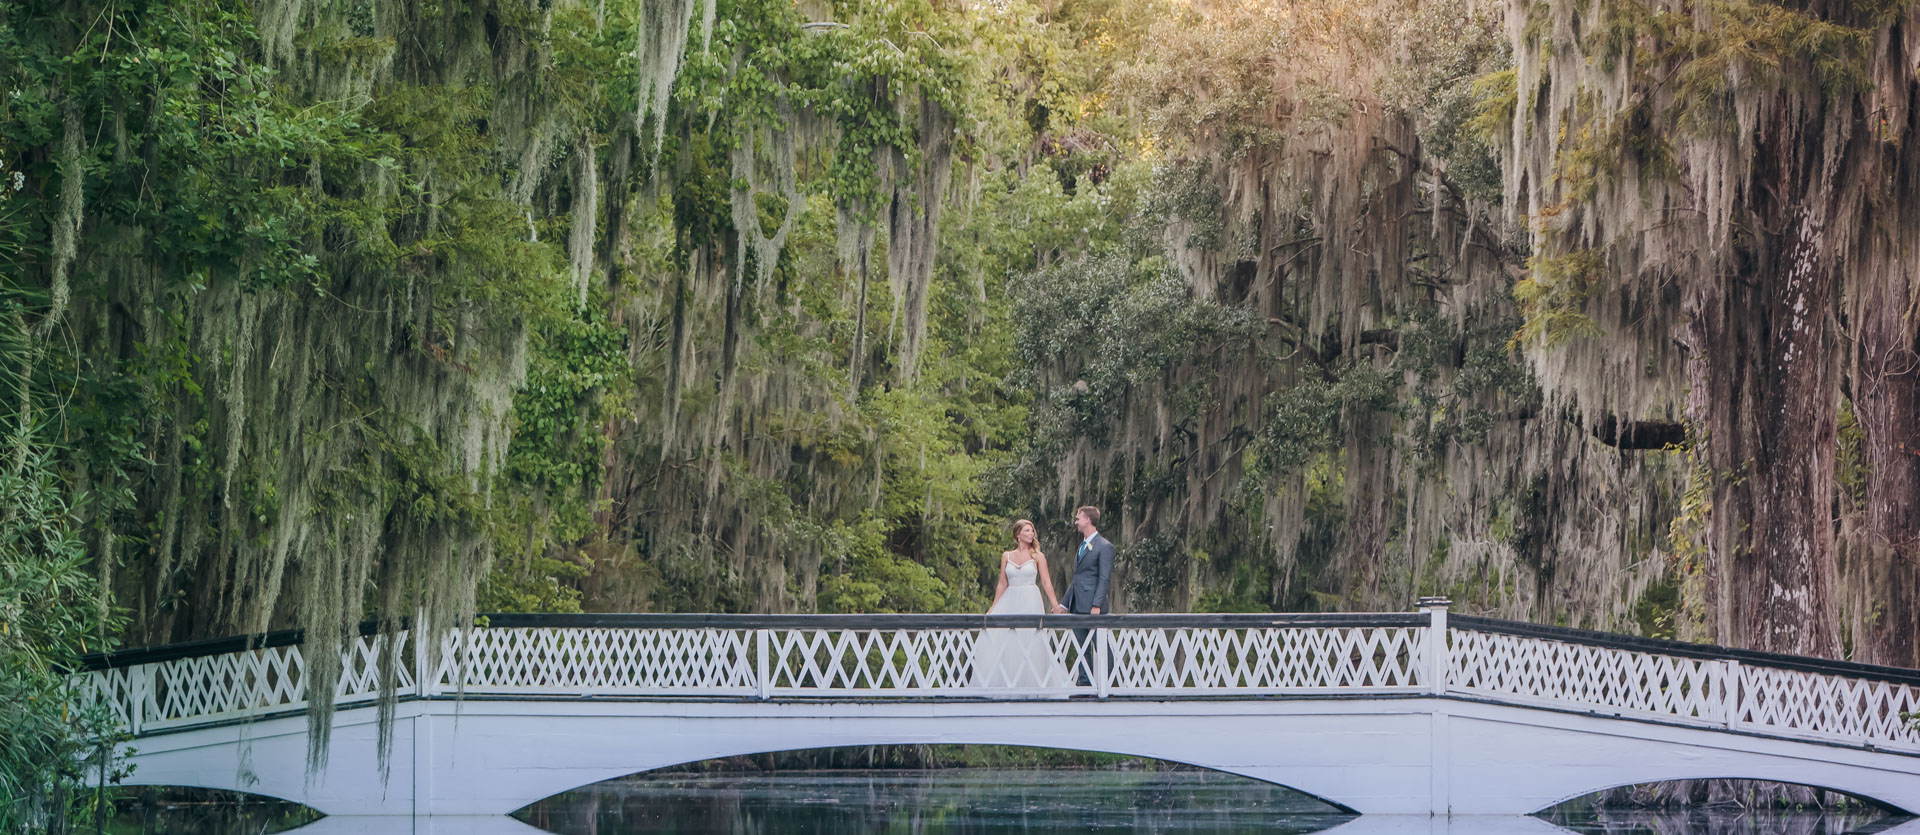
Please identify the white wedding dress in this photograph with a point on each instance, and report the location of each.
(1020, 658)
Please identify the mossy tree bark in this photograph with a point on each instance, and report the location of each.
(1764, 371)
(1883, 384)
(1758, 157)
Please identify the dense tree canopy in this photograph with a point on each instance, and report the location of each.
(1599, 312)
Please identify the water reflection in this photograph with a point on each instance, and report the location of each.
(167, 810)
(1363, 825)
(964, 801)
(955, 801)
(1727, 821)
(1693, 823)
(968, 800)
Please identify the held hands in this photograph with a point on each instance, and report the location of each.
(1059, 609)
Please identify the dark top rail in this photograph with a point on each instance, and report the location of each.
(954, 621)
(287, 637)
(208, 646)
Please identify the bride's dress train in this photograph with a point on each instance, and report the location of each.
(1021, 658)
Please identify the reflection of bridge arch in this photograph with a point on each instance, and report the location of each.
(1376, 713)
(1800, 783)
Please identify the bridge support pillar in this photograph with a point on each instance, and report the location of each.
(1434, 675)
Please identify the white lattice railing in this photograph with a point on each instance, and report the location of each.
(203, 689)
(1172, 661)
(1827, 706)
(948, 656)
(843, 659)
(1693, 685)
(565, 661)
(1558, 674)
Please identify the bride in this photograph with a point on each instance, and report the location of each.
(1019, 657)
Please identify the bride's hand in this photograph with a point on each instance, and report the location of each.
(1059, 609)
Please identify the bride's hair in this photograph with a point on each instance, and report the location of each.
(1023, 523)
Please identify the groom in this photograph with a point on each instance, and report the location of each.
(1092, 574)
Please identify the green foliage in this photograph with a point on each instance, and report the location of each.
(531, 581)
(51, 612)
(1185, 192)
(1109, 323)
(206, 168)
(1303, 421)
(706, 432)
(1656, 611)
(1462, 375)
(1850, 461)
(1552, 297)
(855, 75)
(1232, 104)
(52, 608)
(868, 578)
(1448, 43)
(1683, 68)
(1687, 546)
(577, 377)
(1496, 96)
(1243, 589)
(1157, 568)
(1765, 44)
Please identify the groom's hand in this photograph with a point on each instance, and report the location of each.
(1094, 611)
(1059, 609)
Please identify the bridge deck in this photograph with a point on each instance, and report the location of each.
(1510, 687)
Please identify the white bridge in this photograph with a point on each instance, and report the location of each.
(1378, 713)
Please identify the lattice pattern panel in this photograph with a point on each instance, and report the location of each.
(217, 686)
(903, 662)
(1576, 675)
(1826, 706)
(695, 661)
(1267, 660)
(360, 667)
(118, 690)
(190, 691)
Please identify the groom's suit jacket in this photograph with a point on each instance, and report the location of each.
(1092, 575)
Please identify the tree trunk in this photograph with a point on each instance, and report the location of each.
(1786, 603)
(1886, 383)
(1764, 387)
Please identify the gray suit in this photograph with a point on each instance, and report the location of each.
(1087, 588)
(1092, 575)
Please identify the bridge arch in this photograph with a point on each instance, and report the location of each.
(1206, 739)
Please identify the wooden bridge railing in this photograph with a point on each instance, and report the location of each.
(1118, 656)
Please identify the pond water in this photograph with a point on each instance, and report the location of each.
(984, 801)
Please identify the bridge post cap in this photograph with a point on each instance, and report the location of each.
(1425, 603)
